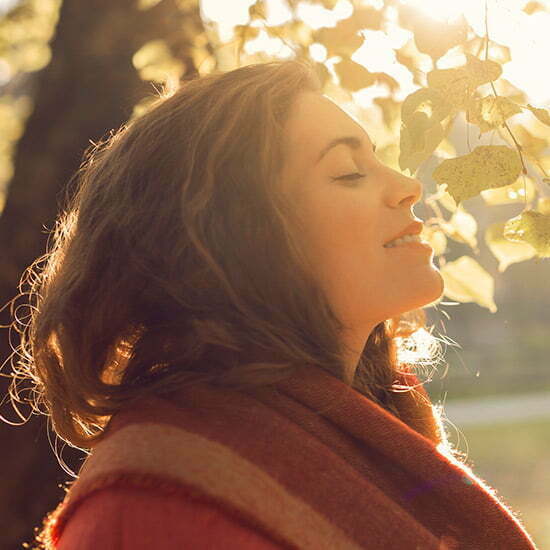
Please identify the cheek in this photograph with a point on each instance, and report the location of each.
(342, 237)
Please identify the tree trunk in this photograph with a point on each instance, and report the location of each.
(89, 88)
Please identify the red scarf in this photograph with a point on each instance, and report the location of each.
(350, 476)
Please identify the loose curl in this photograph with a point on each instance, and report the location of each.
(178, 260)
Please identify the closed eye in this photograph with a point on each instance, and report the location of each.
(350, 177)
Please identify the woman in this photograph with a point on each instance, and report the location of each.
(218, 322)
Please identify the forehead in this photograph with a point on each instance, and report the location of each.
(314, 121)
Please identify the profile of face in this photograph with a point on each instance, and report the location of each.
(351, 204)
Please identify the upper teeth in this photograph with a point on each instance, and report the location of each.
(404, 239)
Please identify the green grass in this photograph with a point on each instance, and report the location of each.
(514, 459)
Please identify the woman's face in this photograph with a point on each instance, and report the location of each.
(347, 221)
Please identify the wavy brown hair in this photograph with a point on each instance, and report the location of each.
(176, 259)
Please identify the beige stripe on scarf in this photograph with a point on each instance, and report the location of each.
(214, 469)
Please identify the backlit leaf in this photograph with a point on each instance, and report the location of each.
(431, 36)
(543, 205)
(427, 101)
(542, 114)
(531, 145)
(533, 228)
(458, 84)
(418, 140)
(522, 190)
(505, 251)
(486, 167)
(353, 76)
(490, 112)
(532, 7)
(462, 227)
(436, 238)
(466, 281)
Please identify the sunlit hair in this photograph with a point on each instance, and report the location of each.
(176, 259)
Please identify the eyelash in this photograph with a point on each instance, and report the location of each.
(353, 176)
(350, 177)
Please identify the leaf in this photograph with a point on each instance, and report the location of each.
(458, 84)
(297, 31)
(505, 251)
(497, 52)
(436, 38)
(329, 4)
(542, 114)
(431, 36)
(490, 112)
(531, 145)
(436, 238)
(418, 140)
(466, 281)
(511, 194)
(427, 101)
(389, 81)
(421, 132)
(343, 39)
(462, 227)
(353, 76)
(390, 110)
(447, 201)
(531, 227)
(543, 205)
(532, 7)
(257, 10)
(409, 56)
(486, 167)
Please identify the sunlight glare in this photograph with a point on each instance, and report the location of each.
(444, 10)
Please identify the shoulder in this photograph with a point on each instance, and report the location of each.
(124, 517)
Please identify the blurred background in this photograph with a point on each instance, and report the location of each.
(70, 71)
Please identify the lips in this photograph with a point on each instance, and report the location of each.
(412, 229)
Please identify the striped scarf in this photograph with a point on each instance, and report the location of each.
(309, 461)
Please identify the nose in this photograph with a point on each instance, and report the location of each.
(402, 189)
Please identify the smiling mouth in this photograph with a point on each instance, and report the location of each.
(403, 240)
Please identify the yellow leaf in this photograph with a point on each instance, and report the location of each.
(505, 251)
(448, 202)
(343, 39)
(532, 7)
(436, 238)
(446, 149)
(486, 167)
(542, 114)
(389, 81)
(531, 227)
(431, 36)
(543, 205)
(435, 38)
(466, 281)
(462, 227)
(531, 145)
(257, 10)
(511, 194)
(427, 101)
(497, 52)
(353, 76)
(418, 140)
(443, 197)
(390, 110)
(490, 112)
(458, 84)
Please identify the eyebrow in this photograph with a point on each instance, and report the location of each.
(351, 141)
